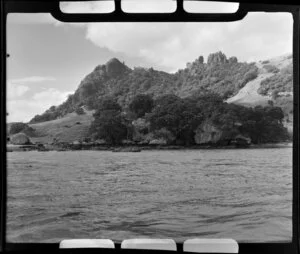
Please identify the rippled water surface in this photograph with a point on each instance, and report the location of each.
(245, 194)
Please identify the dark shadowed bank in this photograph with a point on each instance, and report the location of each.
(136, 148)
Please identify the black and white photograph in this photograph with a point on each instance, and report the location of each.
(165, 130)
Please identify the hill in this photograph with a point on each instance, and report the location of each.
(273, 85)
(266, 83)
(274, 79)
(71, 127)
(221, 75)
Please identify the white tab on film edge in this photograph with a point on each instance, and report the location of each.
(211, 246)
(149, 244)
(86, 243)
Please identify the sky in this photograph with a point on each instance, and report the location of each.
(48, 58)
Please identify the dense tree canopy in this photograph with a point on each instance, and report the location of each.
(109, 124)
(221, 75)
(176, 120)
(141, 104)
(108, 103)
(17, 127)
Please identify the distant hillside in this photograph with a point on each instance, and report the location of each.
(273, 85)
(265, 83)
(222, 75)
(70, 128)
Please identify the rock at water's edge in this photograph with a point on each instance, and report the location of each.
(19, 139)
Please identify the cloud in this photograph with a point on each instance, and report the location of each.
(50, 95)
(32, 79)
(26, 109)
(17, 87)
(171, 45)
(15, 91)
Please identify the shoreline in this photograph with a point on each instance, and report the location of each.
(138, 148)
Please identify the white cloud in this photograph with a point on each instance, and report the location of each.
(32, 79)
(26, 109)
(50, 95)
(170, 45)
(15, 90)
(19, 87)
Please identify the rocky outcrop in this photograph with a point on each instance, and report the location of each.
(141, 125)
(97, 79)
(160, 141)
(208, 133)
(240, 140)
(201, 60)
(115, 68)
(216, 58)
(232, 60)
(100, 142)
(20, 139)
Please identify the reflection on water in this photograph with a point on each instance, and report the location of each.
(245, 194)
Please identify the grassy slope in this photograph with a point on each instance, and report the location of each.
(65, 129)
(248, 95)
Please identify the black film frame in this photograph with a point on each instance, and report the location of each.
(52, 6)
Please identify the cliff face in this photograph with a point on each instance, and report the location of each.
(209, 133)
(217, 58)
(19, 139)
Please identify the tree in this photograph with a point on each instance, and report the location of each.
(179, 116)
(91, 102)
(20, 127)
(264, 124)
(250, 75)
(79, 111)
(275, 113)
(165, 135)
(52, 108)
(166, 99)
(201, 59)
(17, 128)
(207, 102)
(108, 125)
(274, 94)
(271, 103)
(141, 104)
(108, 103)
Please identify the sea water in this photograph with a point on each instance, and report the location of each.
(244, 194)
